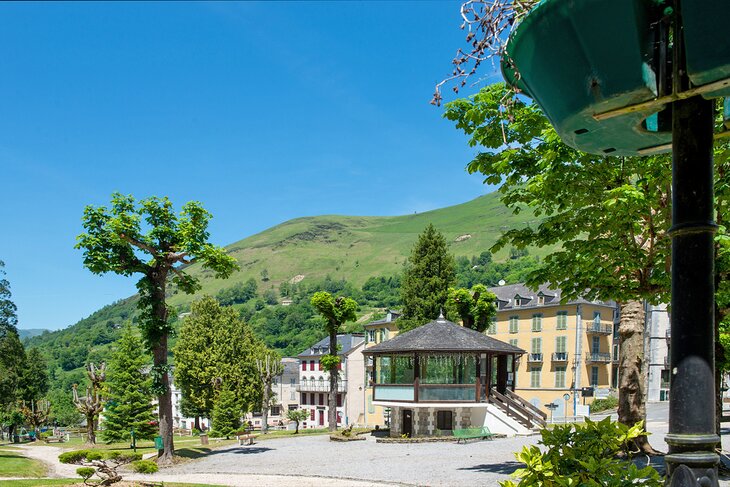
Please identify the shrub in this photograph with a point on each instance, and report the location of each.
(583, 454)
(611, 402)
(85, 472)
(72, 456)
(144, 466)
(102, 464)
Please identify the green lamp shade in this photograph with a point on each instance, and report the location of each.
(577, 58)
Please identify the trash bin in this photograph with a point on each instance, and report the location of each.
(204, 438)
(158, 443)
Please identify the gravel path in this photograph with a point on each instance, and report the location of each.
(49, 456)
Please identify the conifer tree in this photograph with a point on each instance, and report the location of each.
(227, 413)
(428, 273)
(129, 404)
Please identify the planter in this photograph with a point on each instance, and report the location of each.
(577, 58)
(707, 43)
(343, 438)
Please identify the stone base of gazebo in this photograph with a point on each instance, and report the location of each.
(464, 415)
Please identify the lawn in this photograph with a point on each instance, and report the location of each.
(45, 482)
(13, 464)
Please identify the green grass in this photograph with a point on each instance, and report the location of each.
(14, 464)
(45, 482)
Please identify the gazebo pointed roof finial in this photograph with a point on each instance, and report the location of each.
(441, 315)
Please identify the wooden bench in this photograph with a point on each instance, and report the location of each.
(467, 433)
(246, 439)
(58, 439)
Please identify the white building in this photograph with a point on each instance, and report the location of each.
(314, 382)
(286, 396)
(656, 352)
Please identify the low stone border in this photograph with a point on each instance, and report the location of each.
(425, 439)
(346, 438)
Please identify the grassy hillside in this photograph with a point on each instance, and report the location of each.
(356, 248)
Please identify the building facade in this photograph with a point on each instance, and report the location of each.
(656, 352)
(570, 346)
(314, 382)
(377, 332)
(286, 396)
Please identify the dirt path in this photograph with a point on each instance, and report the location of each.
(256, 480)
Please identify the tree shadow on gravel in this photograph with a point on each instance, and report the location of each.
(505, 468)
(249, 450)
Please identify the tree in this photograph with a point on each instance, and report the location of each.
(12, 353)
(227, 413)
(297, 415)
(34, 380)
(92, 403)
(129, 396)
(216, 347)
(427, 275)
(115, 241)
(475, 308)
(609, 215)
(63, 412)
(336, 312)
(269, 366)
(35, 413)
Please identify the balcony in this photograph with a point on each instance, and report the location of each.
(599, 329)
(317, 386)
(560, 357)
(534, 357)
(599, 357)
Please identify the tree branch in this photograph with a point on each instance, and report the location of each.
(139, 245)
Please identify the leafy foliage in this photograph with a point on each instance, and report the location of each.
(585, 455)
(103, 464)
(297, 415)
(144, 466)
(239, 293)
(475, 308)
(12, 353)
(129, 396)
(427, 275)
(227, 413)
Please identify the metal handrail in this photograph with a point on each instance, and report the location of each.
(599, 328)
(534, 357)
(598, 357)
(560, 357)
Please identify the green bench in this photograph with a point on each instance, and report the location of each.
(468, 433)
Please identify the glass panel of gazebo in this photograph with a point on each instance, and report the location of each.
(394, 378)
(447, 377)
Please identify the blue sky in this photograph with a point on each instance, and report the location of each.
(262, 111)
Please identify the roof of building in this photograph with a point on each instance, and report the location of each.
(442, 335)
(529, 298)
(291, 366)
(390, 317)
(346, 343)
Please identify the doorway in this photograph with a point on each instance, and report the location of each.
(321, 417)
(408, 422)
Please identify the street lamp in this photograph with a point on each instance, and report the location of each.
(641, 80)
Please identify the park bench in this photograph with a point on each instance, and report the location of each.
(246, 439)
(57, 439)
(467, 433)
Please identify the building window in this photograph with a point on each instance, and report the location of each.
(596, 345)
(518, 300)
(311, 396)
(321, 399)
(311, 365)
(514, 324)
(561, 345)
(371, 336)
(311, 415)
(513, 342)
(560, 377)
(444, 420)
(534, 376)
(665, 379)
(492, 330)
(321, 384)
(275, 410)
(540, 299)
(304, 365)
(292, 395)
(536, 346)
(339, 400)
(319, 365)
(537, 322)
(292, 381)
(293, 407)
(562, 320)
(597, 318)
(304, 398)
(594, 376)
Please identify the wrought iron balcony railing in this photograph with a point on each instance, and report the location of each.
(534, 357)
(599, 329)
(560, 356)
(602, 357)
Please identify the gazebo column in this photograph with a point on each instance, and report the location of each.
(502, 374)
(416, 375)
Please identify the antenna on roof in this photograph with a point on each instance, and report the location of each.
(502, 282)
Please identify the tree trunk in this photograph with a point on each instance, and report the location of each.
(197, 423)
(632, 370)
(296, 431)
(159, 358)
(332, 416)
(90, 434)
(265, 409)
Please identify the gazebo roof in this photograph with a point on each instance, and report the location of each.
(442, 335)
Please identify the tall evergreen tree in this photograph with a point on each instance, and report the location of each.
(34, 379)
(427, 275)
(227, 413)
(12, 353)
(129, 397)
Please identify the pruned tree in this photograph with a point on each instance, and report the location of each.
(92, 403)
(149, 238)
(269, 366)
(297, 415)
(336, 312)
(475, 307)
(427, 274)
(36, 413)
(607, 216)
(103, 464)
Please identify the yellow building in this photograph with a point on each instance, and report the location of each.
(569, 346)
(377, 332)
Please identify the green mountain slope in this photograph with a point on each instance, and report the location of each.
(356, 248)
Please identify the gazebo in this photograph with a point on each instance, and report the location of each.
(442, 376)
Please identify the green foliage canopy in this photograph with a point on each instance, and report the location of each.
(475, 308)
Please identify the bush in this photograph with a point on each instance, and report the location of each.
(611, 402)
(144, 466)
(72, 456)
(85, 472)
(583, 454)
